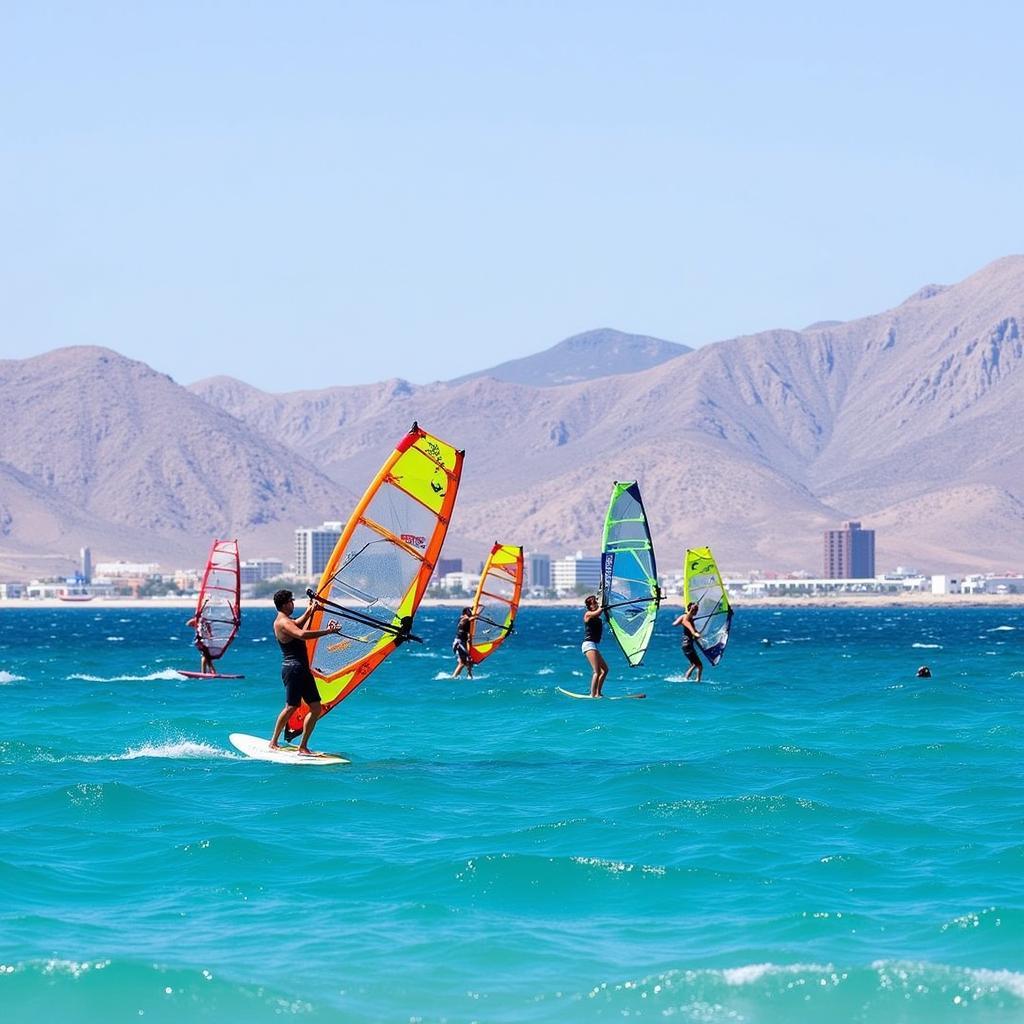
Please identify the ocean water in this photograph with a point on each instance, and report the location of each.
(812, 834)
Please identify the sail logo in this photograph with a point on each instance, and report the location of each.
(413, 541)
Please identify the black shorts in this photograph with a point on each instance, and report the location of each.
(687, 646)
(299, 685)
(461, 651)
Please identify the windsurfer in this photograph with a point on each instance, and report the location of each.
(460, 645)
(203, 631)
(592, 629)
(299, 684)
(690, 634)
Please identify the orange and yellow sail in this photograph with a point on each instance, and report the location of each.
(380, 567)
(496, 601)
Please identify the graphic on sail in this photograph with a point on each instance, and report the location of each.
(380, 567)
(702, 582)
(496, 601)
(629, 578)
(219, 609)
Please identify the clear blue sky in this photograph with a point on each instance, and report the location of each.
(306, 194)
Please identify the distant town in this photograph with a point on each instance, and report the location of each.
(848, 567)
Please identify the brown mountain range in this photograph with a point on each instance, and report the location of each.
(905, 420)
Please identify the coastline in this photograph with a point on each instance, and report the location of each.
(911, 600)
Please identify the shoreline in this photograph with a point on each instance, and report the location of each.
(914, 600)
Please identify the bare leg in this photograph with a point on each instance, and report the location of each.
(307, 727)
(282, 720)
(602, 674)
(596, 680)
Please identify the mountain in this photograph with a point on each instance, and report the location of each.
(754, 444)
(101, 450)
(588, 356)
(904, 420)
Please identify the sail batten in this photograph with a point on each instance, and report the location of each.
(629, 577)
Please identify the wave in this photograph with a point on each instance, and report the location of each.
(546, 672)
(167, 673)
(10, 677)
(1002, 629)
(176, 749)
(884, 992)
(929, 647)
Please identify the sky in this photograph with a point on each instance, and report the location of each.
(310, 194)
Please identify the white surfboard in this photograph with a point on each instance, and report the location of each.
(256, 747)
(586, 696)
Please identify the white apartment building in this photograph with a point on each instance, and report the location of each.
(576, 570)
(313, 547)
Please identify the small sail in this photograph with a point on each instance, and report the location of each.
(496, 601)
(219, 609)
(381, 565)
(629, 578)
(702, 582)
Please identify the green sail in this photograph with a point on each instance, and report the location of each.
(629, 579)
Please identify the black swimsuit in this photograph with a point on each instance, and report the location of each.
(592, 630)
(299, 684)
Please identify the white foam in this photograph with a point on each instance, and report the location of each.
(175, 750)
(167, 673)
(751, 973)
(1002, 629)
(928, 646)
(546, 672)
(10, 677)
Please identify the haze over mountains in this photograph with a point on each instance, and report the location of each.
(906, 420)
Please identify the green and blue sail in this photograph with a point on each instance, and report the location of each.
(629, 577)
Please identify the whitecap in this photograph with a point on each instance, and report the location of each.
(175, 749)
(115, 638)
(1002, 629)
(10, 677)
(167, 673)
(928, 646)
(751, 973)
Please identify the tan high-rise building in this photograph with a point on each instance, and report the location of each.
(849, 553)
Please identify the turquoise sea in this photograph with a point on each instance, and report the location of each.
(812, 834)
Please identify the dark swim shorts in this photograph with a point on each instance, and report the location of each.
(299, 685)
(461, 651)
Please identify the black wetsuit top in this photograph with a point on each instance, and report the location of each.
(592, 630)
(462, 632)
(294, 652)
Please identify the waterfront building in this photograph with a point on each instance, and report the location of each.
(573, 571)
(313, 547)
(849, 552)
(538, 571)
(253, 570)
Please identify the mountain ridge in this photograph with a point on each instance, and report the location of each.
(903, 419)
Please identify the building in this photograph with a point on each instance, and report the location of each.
(849, 553)
(126, 570)
(942, 584)
(447, 565)
(313, 547)
(85, 565)
(576, 571)
(538, 571)
(253, 570)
